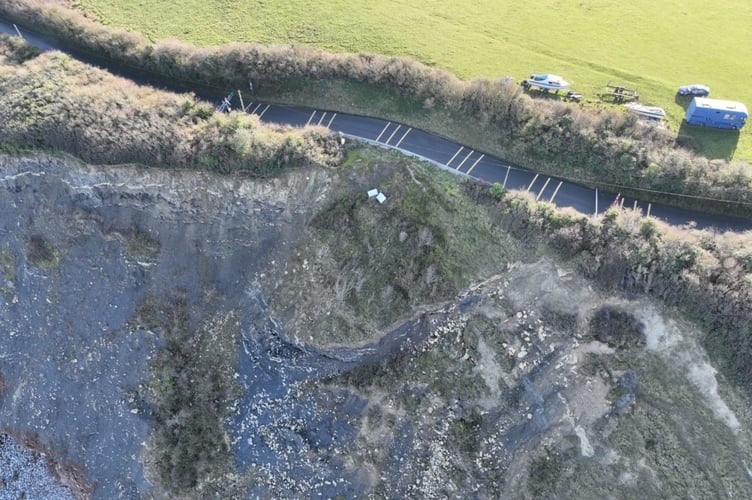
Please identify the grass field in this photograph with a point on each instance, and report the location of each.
(653, 46)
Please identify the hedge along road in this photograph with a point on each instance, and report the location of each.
(442, 152)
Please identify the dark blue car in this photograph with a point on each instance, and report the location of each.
(696, 90)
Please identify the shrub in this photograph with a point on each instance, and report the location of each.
(497, 191)
(55, 102)
(191, 387)
(648, 228)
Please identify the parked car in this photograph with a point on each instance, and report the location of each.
(696, 90)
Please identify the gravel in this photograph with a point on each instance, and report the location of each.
(24, 474)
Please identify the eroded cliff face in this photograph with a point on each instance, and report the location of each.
(136, 341)
(536, 385)
(82, 249)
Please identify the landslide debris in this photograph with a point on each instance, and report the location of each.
(502, 401)
(361, 265)
(180, 346)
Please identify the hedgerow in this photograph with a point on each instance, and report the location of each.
(55, 102)
(595, 147)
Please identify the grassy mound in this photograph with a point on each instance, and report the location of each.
(52, 101)
(361, 265)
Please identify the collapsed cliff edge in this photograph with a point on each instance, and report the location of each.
(187, 334)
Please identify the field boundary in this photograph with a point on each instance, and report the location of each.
(551, 137)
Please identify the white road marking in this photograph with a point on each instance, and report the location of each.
(455, 155)
(596, 201)
(383, 130)
(537, 198)
(392, 134)
(551, 200)
(532, 182)
(466, 158)
(403, 137)
(474, 164)
(310, 118)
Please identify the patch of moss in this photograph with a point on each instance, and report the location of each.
(41, 253)
(544, 473)
(139, 243)
(617, 328)
(7, 271)
(191, 387)
(464, 433)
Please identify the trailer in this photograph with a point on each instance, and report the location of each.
(620, 93)
(717, 113)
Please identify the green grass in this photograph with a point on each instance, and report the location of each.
(653, 46)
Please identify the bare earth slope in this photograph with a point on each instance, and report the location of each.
(192, 335)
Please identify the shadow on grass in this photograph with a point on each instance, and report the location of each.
(683, 100)
(713, 143)
(545, 94)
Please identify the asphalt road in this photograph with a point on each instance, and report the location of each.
(466, 161)
(447, 154)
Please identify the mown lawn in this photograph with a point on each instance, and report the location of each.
(653, 46)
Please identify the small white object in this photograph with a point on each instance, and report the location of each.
(373, 192)
(381, 197)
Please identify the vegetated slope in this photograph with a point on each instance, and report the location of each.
(55, 102)
(654, 46)
(363, 265)
(608, 149)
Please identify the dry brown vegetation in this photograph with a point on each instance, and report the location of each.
(560, 139)
(53, 101)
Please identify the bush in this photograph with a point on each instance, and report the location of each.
(497, 191)
(55, 102)
(191, 387)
